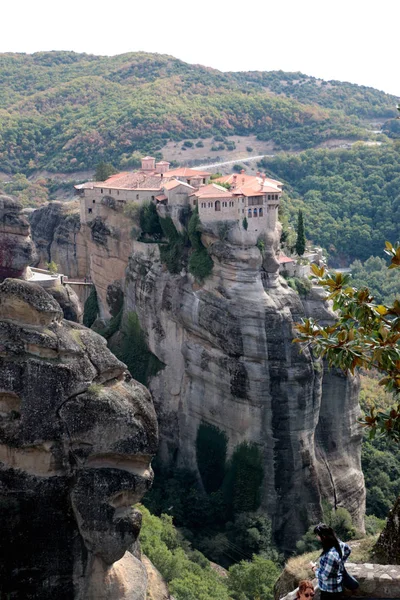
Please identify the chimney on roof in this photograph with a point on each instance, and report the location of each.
(234, 180)
(263, 177)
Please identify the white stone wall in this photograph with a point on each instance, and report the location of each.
(179, 196)
(228, 209)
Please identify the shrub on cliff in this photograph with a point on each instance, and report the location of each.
(200, 262)
(172, 253)
(91, 308)
(132, 349)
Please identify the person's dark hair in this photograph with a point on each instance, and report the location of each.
(328, 538)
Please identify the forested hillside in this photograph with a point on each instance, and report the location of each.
(64, 111)
(350, 198)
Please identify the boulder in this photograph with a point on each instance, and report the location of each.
(77, 436)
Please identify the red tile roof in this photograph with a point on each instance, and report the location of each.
(131, 181)
(212, 191)
(250, 185)
(285, 259)
(173, 183)
(186, 172)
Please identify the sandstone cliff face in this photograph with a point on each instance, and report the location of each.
(56, 231)
(100, 248)
(230, 361)
(16, 247)
(76, 439)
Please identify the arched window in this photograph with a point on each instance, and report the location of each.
(249, 213)
(217, 205)
(260, 212)
(255, 212)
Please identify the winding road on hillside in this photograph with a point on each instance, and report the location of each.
(233, 162)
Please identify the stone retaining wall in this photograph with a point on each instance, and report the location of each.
(376, 581)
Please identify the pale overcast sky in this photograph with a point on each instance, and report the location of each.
(349, 40)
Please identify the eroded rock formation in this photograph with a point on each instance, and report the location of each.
(56, 231)
(76, 438)
(230, 361)
(17, 250)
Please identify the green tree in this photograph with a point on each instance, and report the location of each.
(104, 171)
(253, 580)
(211, 444)
(301, 236)
(366, 335)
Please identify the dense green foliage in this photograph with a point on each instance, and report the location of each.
(383, 283)
(188, 580)
(244, 478)
(64, 111)
(131, 347)
(350, 198)
(381, 468)
(380, 457)
(200, 262)
(190, 575)
(218, 520)
(211, 444)
(363, 101)
(91, 308)
(253, 580)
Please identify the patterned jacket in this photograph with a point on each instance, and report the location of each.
(330, 570)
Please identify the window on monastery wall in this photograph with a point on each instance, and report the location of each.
(249, 213)
(101, 190)
(137, 196)
(204, 180)
(255, 212)
(117, 192)
(269, 196)
(217, 205)
(260, 212)
(90, 210)
(109, 191)
(152, 198)
(94, 201)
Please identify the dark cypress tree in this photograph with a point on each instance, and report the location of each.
(104, 171)
(301, 236)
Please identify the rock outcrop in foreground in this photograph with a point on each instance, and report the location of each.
(76, 439)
